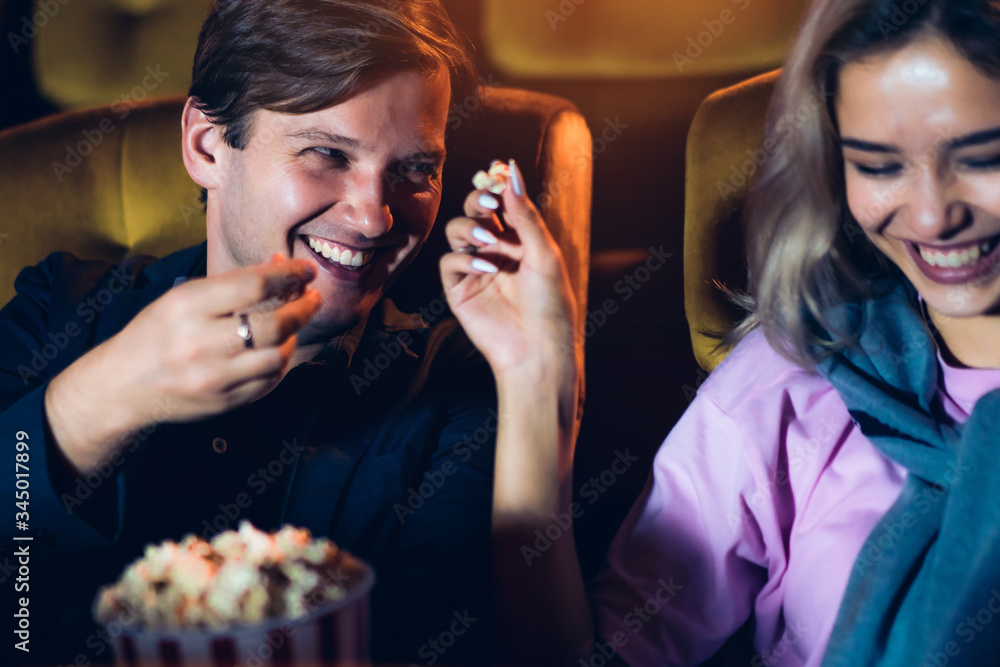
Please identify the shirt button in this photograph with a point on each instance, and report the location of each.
(219, 445)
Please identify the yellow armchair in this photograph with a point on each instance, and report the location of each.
(723, 155)
(109, 182)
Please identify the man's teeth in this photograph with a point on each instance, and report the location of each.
(956, 259)
(338, 255)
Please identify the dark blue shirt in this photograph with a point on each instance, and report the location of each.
(386, 448)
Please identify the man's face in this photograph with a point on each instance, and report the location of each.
(354, 187)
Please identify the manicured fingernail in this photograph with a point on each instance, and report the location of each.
(483, 235)
(480, 264)
(516, 179)
(489, 202)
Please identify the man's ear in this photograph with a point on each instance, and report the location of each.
(201, 144)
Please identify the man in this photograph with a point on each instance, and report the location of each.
(216, 386)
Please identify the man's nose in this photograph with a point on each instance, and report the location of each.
(366, 202)
(934, 212)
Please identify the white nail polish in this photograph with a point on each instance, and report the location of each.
(515, 179)
(489, 202)
(480, 264)
(483, 235)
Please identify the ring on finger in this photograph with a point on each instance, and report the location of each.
(243, 331)
(468, 250)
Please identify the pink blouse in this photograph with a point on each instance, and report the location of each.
(760, 501)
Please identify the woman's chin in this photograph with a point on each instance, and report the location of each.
(963, 301)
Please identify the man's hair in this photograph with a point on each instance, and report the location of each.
(301, 56)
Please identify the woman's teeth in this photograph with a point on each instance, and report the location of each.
(341, 256)
(954, 259)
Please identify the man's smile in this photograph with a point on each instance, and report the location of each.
(338, 254)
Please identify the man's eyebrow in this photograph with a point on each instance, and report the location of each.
(434, 155)
(867, 146)
(313, 134)
(974, 139)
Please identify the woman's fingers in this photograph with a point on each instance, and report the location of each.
(456, 266)
(520, 214)
(482, 204)
(466, 232)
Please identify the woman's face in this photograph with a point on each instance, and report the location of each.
(920, 129)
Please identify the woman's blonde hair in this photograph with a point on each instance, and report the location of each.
(805, 252)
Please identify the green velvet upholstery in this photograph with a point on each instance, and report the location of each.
(722, 157)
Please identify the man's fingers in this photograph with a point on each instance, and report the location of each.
(293, 316)
(250, 391)
(272, 328)
(259, 368)
(243, 289)
(266, 364)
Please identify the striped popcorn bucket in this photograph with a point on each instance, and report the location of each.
(334, 632)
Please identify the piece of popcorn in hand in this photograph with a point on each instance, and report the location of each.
(495, 180)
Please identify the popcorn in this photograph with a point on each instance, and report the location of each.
(240, 578)
(495, 180)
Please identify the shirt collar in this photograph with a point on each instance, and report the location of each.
(385, 320)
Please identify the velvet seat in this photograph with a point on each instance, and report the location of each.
(109, 182)
(722, 158)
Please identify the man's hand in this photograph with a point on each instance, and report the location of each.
(183, 350)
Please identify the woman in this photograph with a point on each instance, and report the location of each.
(836, 476)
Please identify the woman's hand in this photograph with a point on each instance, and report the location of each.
(508, 285)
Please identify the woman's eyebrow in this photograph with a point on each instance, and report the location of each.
(965, 141)
(867, 146)
(974, 139)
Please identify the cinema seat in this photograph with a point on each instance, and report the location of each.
(109, 182)
(725, 134)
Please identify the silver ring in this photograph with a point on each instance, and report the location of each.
(468, 250)
(243, 331)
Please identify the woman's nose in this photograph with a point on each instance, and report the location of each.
(931, 209)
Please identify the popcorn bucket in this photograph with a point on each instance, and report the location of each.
(334, 632)
(246, 599)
